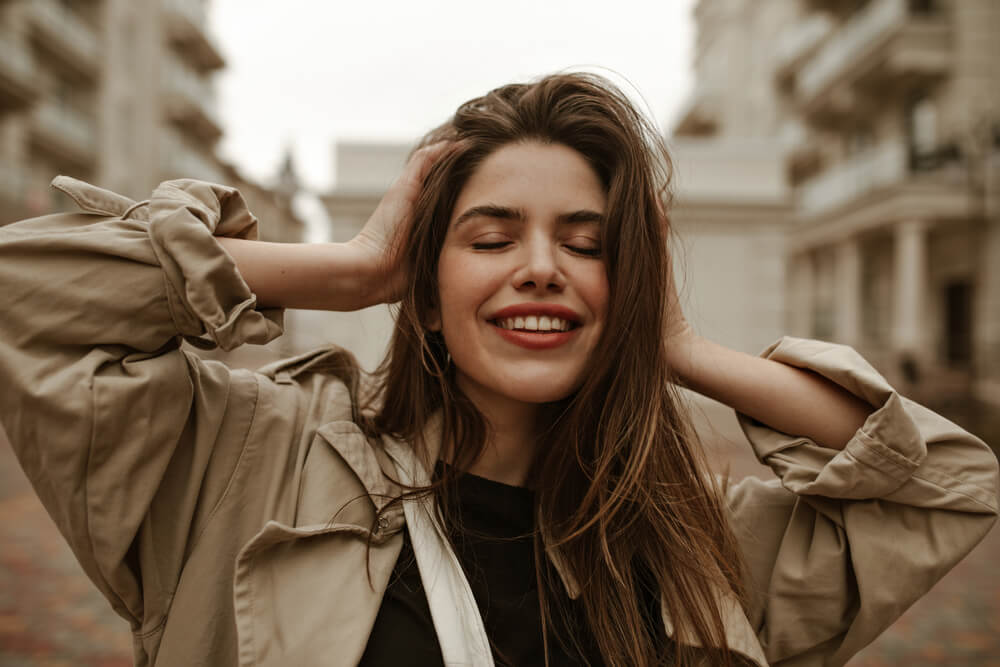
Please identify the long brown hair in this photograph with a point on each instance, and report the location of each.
(622, 484)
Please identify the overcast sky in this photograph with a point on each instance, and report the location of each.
(304, 74)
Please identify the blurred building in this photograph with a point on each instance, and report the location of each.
(273, 206)
(886, 115)
(116, 92)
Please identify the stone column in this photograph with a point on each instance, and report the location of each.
(909, 335)
(847, 322)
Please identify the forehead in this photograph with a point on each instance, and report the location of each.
(539, 178)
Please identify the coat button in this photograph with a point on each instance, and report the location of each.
(383, 522)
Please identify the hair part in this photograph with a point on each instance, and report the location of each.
(623, 489)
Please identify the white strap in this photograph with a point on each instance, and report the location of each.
(453, 607)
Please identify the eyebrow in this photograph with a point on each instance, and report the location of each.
(519, 215)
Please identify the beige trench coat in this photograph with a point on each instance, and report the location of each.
(226, 513)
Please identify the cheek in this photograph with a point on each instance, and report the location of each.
(464, 283)
(594, 290)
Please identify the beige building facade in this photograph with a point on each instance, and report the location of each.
(887, 113)
(117, 92)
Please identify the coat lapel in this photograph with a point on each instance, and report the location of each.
(301, 593)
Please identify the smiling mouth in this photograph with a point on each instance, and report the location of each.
(541, 324)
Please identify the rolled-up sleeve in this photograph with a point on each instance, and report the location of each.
(845, 540)
(114, 424)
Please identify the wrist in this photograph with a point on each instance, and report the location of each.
(354, 272)
(683, 348)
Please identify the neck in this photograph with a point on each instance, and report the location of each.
(510, 447)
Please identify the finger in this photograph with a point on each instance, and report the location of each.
(422, 161)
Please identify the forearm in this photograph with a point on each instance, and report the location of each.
(787, 399)
(317, 276)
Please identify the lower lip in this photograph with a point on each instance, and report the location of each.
(535, 341)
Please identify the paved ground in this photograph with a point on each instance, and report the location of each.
(51, 616)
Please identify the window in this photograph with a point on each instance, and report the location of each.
(958, 320)
(923, 6)
(921, 130)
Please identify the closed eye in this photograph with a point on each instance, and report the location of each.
(586, 252)
(496, 245)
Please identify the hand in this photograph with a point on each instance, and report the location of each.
(379, 243)
(680, 339)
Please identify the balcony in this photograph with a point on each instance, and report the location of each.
(835, 6)
(18, 82)
(179, 160)
(66, 36)
(801, 150)
(702, 113)
(878, 167)
(882, 49)
(190, 101)
(13, 186)
(65, 132)
(798, 43)
(187, 23)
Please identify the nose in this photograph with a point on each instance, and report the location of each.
(540, 269)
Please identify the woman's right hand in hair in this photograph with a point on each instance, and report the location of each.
(363, 272)
(379, 245)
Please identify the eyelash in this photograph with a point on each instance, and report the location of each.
(585, 252)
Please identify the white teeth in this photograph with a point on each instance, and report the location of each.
(534, 323)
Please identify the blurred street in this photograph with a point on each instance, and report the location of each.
(52, 616)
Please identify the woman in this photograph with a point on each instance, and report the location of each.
(521, 485)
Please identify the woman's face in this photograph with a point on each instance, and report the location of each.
(523, 287)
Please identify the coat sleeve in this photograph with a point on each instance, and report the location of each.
(845, 540)
(114, 424)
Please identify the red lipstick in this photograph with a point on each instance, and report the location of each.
(536, 340)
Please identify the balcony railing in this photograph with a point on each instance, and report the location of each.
(192, 10)
(188, 24)
(179, 160)
(184, 82)
(18, 83)
(702, 112)
(13, 184)
(855, 38)
(65, 130)
(65, 33)
(878, 167)
(195, 97)
(800, 40)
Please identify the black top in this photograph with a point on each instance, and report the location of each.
(496, 551)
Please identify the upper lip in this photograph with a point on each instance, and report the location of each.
(525, 309)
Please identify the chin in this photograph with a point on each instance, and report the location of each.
(540, 391)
